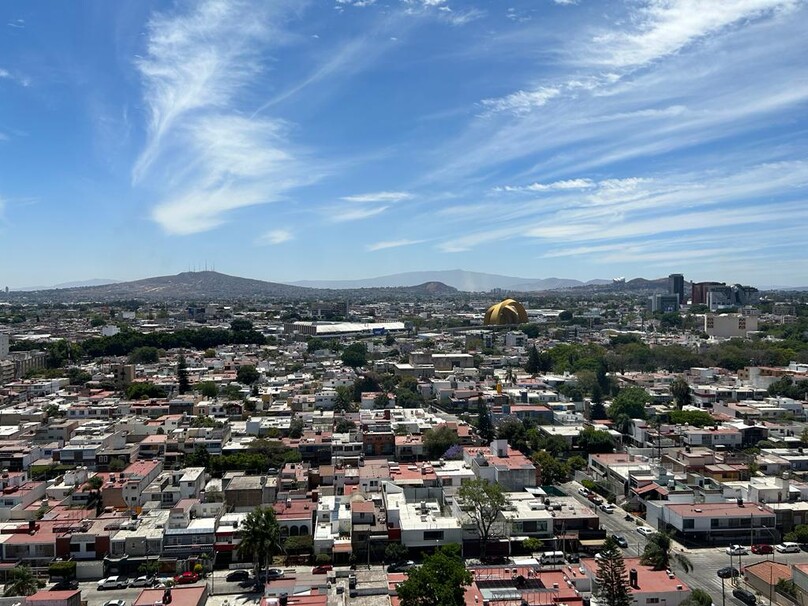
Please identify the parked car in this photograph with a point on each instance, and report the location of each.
(607, 508)
(113, 583)
(584, 492)
(401, 566)
(737, 550)
(745, 596)
(646, 531)
(762, 549)
(115, 603)
(322, 569)
(595, 499)
(144, 581)
(573, 558)
(65, 585)
(186, 578)
(236, 576)
(269, 575)
(620, 540)
(788, 547)
(728, 572)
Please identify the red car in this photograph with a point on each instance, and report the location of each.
(322, 569)
(762, 549)
(186, 578)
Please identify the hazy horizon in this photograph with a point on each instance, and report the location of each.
(352, 139)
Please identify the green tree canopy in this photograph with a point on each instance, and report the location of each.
(260, 537)
(438, 440)
(21, 581)
(659, 554)
(440, 581)
(355, 355)
(247, 374)
(483, 502)
(630, 402)
(144, 355)
(142, 390)
(680, 390)
(207, 389)
(593, 440)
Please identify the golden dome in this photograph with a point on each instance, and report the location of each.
(508, 311)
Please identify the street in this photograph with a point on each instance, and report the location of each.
(706, 561)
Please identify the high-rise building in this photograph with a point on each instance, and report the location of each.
(700, 290)
(3, 344)
(676, 286)
(663, 303)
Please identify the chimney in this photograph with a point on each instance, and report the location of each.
(632, 578)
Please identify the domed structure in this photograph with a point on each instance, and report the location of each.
(508, 311)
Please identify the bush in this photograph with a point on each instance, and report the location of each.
(322, 558)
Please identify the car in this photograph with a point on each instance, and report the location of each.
(144, 581)
(401, 566)
(646, 531)
(595, 499)
(573, 558)
(728, 572)
(186, 578)
(788, 547)
(65, 585)
(115, 603)
(322, 569)
(737, 550)
(113, 583)
(584, 492)
(745, 596)
(237, 576)
(269, 574)
(620, 540)
(762, 549)
(607, 508)
(163, 581)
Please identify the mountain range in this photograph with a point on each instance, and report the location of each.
(467, 281)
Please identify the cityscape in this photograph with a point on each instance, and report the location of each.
(403, 303)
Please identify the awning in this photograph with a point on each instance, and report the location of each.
(592, 542)
(345, 547)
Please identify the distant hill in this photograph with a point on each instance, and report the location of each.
(468, 281)
(93, 282)
(201, 285)
(211, 285)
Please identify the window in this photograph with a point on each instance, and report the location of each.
(689, 524)
(433, 535)
(652, 600)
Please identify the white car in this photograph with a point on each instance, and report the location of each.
(113, 583)
(788, 547)
(144, 581)
(607, 508)
(737, 550)
(646, 531)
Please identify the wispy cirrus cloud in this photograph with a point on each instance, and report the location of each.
(384, 245)
(275, 236)
(343, 215)
(204, 156)
(555, 186)
(379, 196)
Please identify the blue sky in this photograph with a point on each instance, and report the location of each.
(334, 139)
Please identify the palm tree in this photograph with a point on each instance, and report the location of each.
(21, 581)
(260, 537)
(658, 553)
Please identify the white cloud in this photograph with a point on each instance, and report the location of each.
(275, 236)
(201, 152)
(343, 215)
(392, 244)
(568, 184)
(4, 73)
(521, 101)
(664, 27)
(380, 196)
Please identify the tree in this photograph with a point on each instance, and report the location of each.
(247, 374)
(21, 581)
(381, 400)
(141, 390)
(395, 552)
(532, 544)
(208, 390)
(597, 411)
(483, 502)
(344, 399)
(439, 581)
(355, 355)
(95, 483)
(183, 385)
(630, 402)
(593, 440)
(344, 426)
(144, 355)
(611, 577)
(438, 440)
(680, 391)
(241, 325)
(260, 536)
(551, 469)
(698, 597)
(533, 361)
(484, 425)
(799, 534)
(658, 553)
(214, 495)
(296, 427)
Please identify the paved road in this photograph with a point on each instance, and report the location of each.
(706, 561)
